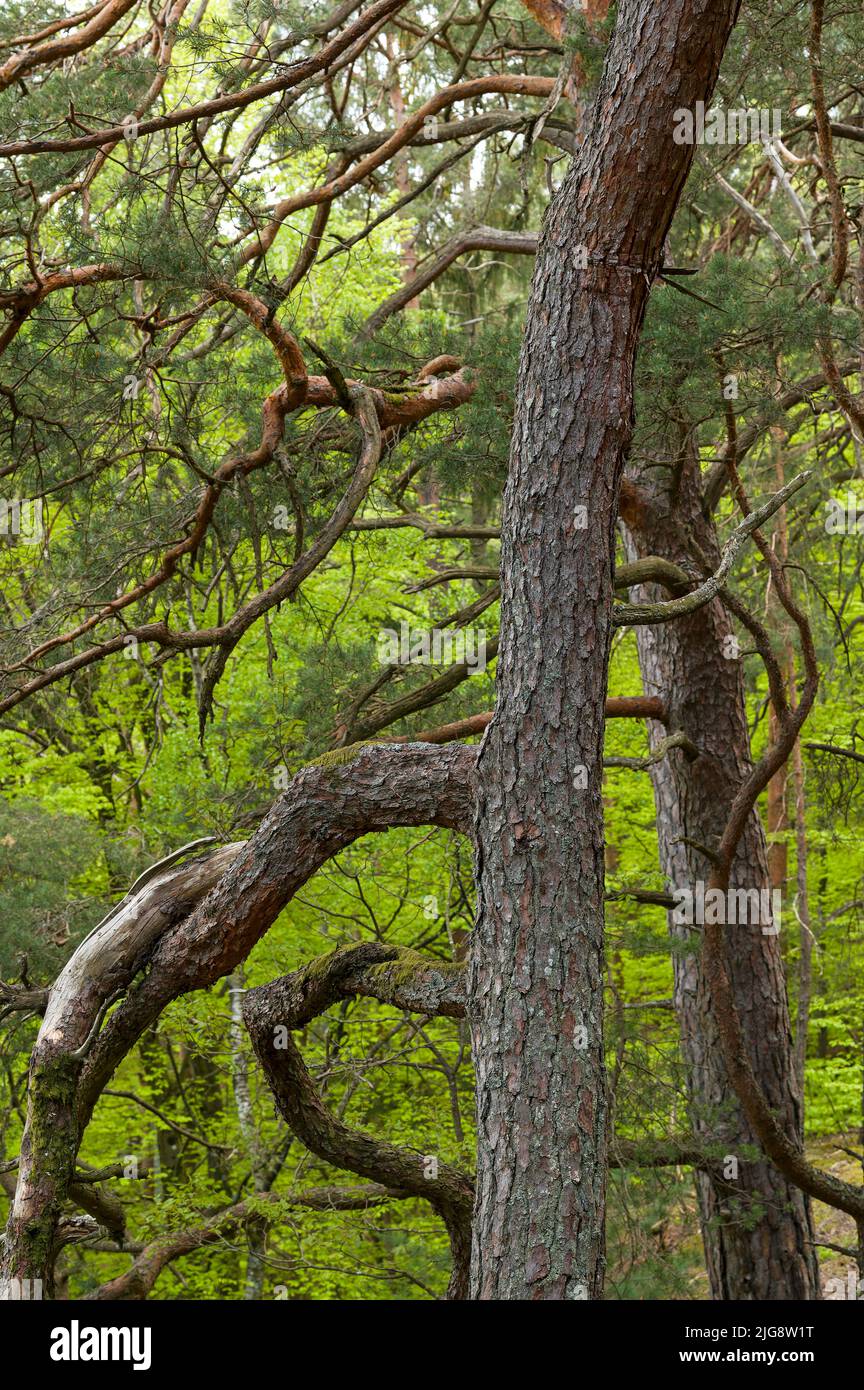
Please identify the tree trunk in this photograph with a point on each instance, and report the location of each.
(536, 976)
(756, 1228)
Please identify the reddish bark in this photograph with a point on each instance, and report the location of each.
(536, 979)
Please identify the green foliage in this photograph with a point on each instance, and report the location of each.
(48, 878)
(104, 772)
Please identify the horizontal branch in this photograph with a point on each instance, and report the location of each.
(617, 707)
(836, 751)
(657, 754)
(433, 530)
(652, 569)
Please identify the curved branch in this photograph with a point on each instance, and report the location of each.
(479, 239)
(408, 980)
(782, 1150)
(327, 806)
(20, 63)
(290, 581)
(138, 1281)
(429, 395)
(625, 614)
(271, 1012)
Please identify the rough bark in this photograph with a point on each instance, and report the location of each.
(784, 1148)
(756, 1229)
(536, 979)
(417, 983)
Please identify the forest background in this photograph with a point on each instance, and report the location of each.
(116, 409)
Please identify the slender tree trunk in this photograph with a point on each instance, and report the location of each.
(805, 935)
(756, 1227)
(536, 976)
(778, 819)
(401, 172)
(778, 790)
(805, 930)
(256, 1231)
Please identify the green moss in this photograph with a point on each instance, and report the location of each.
(404, 967)
(322, 965)
(52, 1140)
(338, 757)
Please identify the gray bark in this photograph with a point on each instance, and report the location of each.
(757, 1228)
